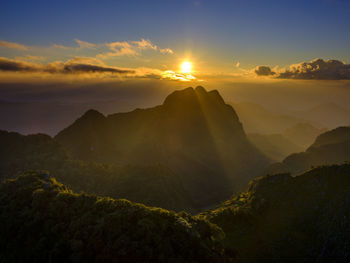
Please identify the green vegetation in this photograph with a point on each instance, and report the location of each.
(44, 221)
(153, 185)
(290, 219)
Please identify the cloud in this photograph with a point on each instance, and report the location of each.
(91, 67)
(74, 66)
(264, 71)
(131, 48)
(172, 75)
(145, 44)
(88, 68)
(30, 58)
(14, 65)
(13, 45)
(118, 49)
(166, 51)
(58, 46)
(84, 44)
(317, 69)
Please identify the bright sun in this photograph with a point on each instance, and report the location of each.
(186, 67)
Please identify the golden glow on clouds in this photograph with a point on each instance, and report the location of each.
(169, 74)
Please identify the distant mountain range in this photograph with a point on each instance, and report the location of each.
(332, 147)
(329, 115)
(257, 119)
(303, 134)
(275, 146)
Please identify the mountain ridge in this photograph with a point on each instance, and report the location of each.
(194, 132)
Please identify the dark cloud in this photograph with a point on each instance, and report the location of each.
(318, 69)
(264, 71)
(13, 65)
(70, 67)
(79, 68)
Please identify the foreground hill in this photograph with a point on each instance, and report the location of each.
(290, 219)
(44, 221)
(194, 133)
(332, 147)
(153, 185)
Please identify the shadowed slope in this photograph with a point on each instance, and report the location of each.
(153, 185)
(193, 132)
(281, 218)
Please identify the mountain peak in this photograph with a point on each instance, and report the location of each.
(192, 95)
(92, 115)
(200, 89)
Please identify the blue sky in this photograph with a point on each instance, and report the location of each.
(219, 33)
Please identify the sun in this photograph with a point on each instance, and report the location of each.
(186, 67)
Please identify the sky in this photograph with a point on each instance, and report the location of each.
(215, 34)
(287, 53)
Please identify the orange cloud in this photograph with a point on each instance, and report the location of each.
(13, 45)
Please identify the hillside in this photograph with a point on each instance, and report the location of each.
(303, 134)
(330, 115)
(290, 219)
(275, 146)
(153, 185)
(194, 133)
(257, 119)
(332, 147)
(44, 221)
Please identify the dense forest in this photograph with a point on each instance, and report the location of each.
(44, 221)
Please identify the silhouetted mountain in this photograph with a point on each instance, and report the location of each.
(330, 115)
(42, 220)
(290, 219)
(332, 147)
(275, 146)
(153, 185)
(303, 134)
(193, 132)
(257, 119)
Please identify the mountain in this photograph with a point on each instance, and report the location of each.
(275, 146)
(194, 133)
(303, 134)
(154, 184)
(330, 115)
(281, 218)
(42, 220)
(332, 147)
(257, 119)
